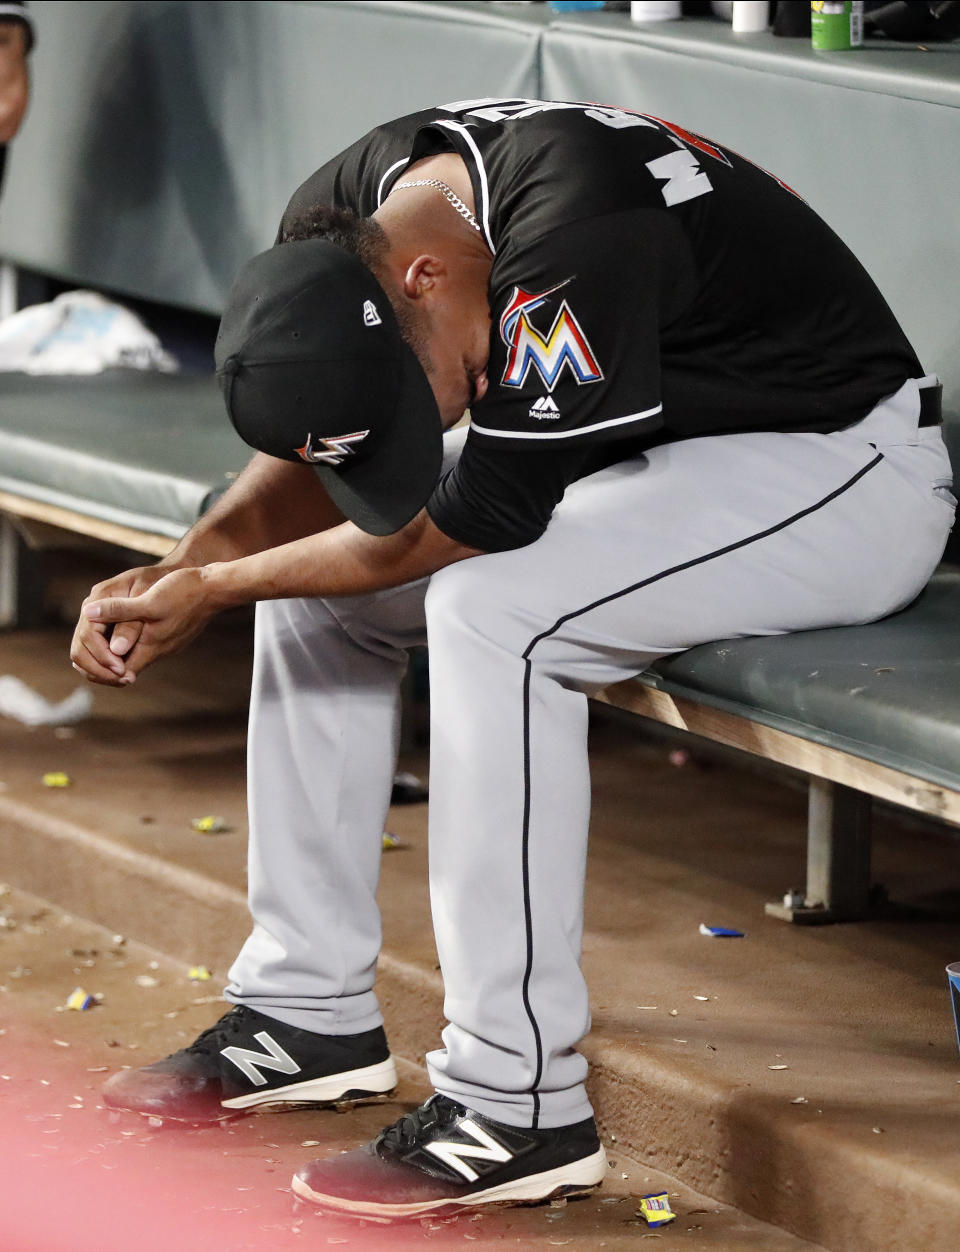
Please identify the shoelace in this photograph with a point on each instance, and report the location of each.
(437, 1111)
(212, 1038)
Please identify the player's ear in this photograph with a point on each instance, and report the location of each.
(422, 275)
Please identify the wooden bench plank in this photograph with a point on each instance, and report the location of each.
(82, 524)
(783, 748)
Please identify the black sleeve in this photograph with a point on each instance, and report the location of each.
(325, 186)
(577, 320)
(496, 499)
(354, 179)
(611, 284)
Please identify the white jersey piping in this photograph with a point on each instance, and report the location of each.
(566, 434)
(484, 213)
(397, 165)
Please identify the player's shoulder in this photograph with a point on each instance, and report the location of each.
(595, 131)
(352, 177)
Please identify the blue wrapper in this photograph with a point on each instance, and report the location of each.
(953, 976)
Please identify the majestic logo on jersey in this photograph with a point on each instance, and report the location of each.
(565, 344)
(544, 410)
(274, 1058)
(337, 449)
(370, 315)
(484, 1148)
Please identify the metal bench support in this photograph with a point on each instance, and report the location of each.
(21, 596)
(8, 289)
(21, 579)
(838, 858)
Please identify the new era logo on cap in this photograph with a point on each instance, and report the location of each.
(370, 315)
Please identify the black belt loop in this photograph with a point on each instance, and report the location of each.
(931, 399)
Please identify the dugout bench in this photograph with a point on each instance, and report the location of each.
(141, 171)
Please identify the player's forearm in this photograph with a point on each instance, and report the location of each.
(340, 561)
(272, 503)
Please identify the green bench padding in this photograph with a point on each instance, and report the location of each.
(888, 692)
(151, 451)
(148, 451)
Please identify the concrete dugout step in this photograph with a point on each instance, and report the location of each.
(122, 1184)
(808, 1078)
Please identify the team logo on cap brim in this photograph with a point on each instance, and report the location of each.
(333, 451)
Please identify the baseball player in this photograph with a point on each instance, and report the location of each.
(16, 42)
(692, 417)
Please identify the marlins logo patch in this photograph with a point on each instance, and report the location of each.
(332, 451)
(564, 345)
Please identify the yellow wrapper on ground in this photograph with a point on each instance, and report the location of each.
(655, 1209)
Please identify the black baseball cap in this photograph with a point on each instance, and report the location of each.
(313, 368)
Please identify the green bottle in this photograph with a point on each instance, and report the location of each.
(836, 25)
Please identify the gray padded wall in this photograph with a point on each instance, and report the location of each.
(164, 138)
(870, 138)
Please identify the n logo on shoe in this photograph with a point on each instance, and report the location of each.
(485, 1148)
(274, 1058)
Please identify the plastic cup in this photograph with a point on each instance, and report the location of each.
(655, 10)
(750, 16)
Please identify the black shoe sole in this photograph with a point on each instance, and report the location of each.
(350, 1100)
(317, 1093)
(370, 1081)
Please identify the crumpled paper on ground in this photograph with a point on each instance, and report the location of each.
(25, 705)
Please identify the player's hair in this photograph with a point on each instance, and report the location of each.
(367, 241)
(361, 236)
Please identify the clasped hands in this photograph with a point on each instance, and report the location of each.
(131, 620)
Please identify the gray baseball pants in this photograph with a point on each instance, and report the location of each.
(754, 534)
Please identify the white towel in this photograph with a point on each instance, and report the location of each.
(80, 332)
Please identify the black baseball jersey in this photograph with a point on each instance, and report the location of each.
(647, 285)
